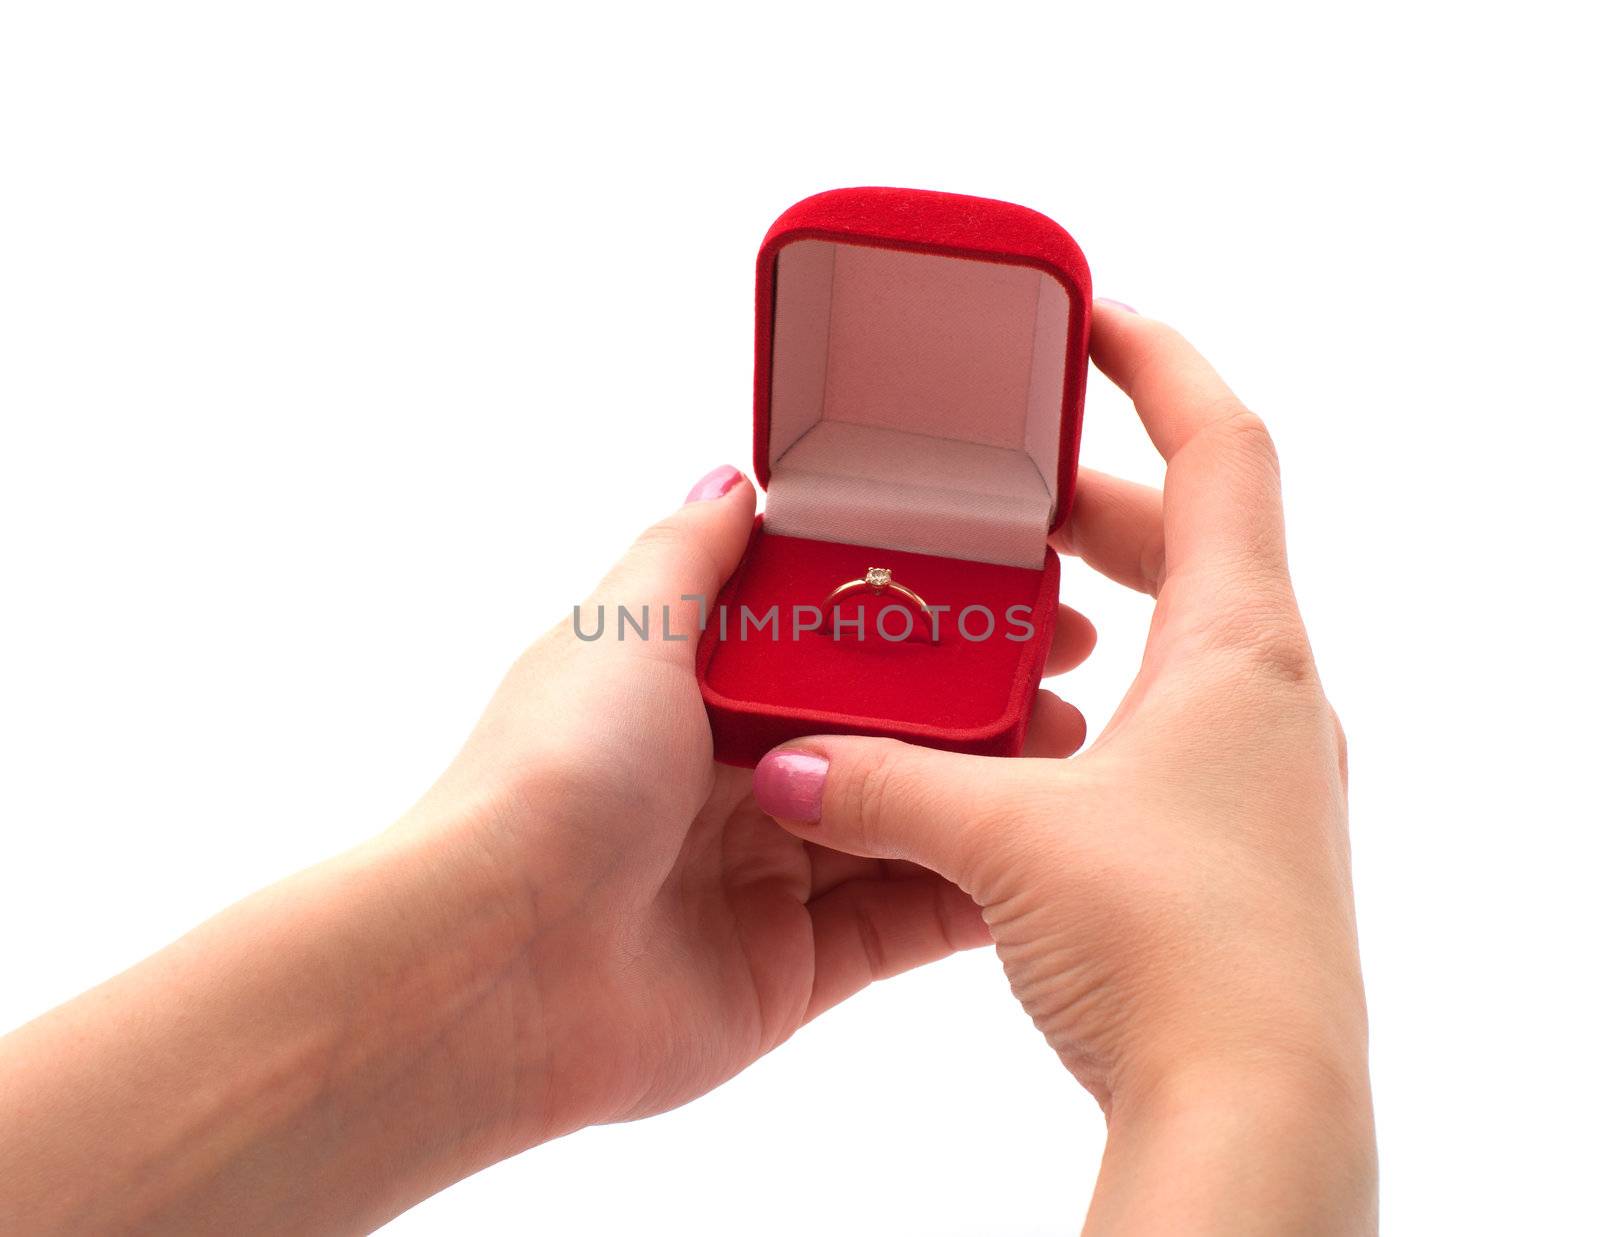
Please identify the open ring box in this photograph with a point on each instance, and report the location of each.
(919, 378)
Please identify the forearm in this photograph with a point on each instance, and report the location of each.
(311, 1059)
(1241, 1152)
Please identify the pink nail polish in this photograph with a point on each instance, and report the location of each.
(714, 484)
(1106, 300)
(789, 785)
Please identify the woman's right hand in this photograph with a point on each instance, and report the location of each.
(1173, 906)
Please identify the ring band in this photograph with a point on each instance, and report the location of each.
(880, 580)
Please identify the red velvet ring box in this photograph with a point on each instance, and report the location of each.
(920, 367)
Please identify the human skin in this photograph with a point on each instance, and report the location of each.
(587, 920)
(1173, 906)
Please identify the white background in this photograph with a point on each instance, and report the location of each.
(342, 345)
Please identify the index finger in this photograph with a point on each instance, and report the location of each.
(1222, 508)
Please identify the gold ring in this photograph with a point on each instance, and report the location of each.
(880, 580)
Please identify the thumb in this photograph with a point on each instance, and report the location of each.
(671, 575)
(886, 800)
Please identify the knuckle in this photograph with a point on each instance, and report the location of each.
(1247, 434)
(672, 547)
(871, 792)
(665, 535)
(1268, 639)
(1234, 437)
(1286, 656)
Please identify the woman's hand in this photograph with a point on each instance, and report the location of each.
(675, 934)
(1173, 906)
(585, 920)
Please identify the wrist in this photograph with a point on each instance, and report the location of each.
(1251, 1145)
(456, 987)
(504, 894)
(399, 963)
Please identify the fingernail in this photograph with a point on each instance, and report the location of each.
(789, 785)
(714, 484)
(1106, 300)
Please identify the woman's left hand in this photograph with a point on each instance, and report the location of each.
(584, 920)
(675, 933)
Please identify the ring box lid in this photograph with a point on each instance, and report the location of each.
(920, 368)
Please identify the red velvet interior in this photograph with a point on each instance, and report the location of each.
(970, 694)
